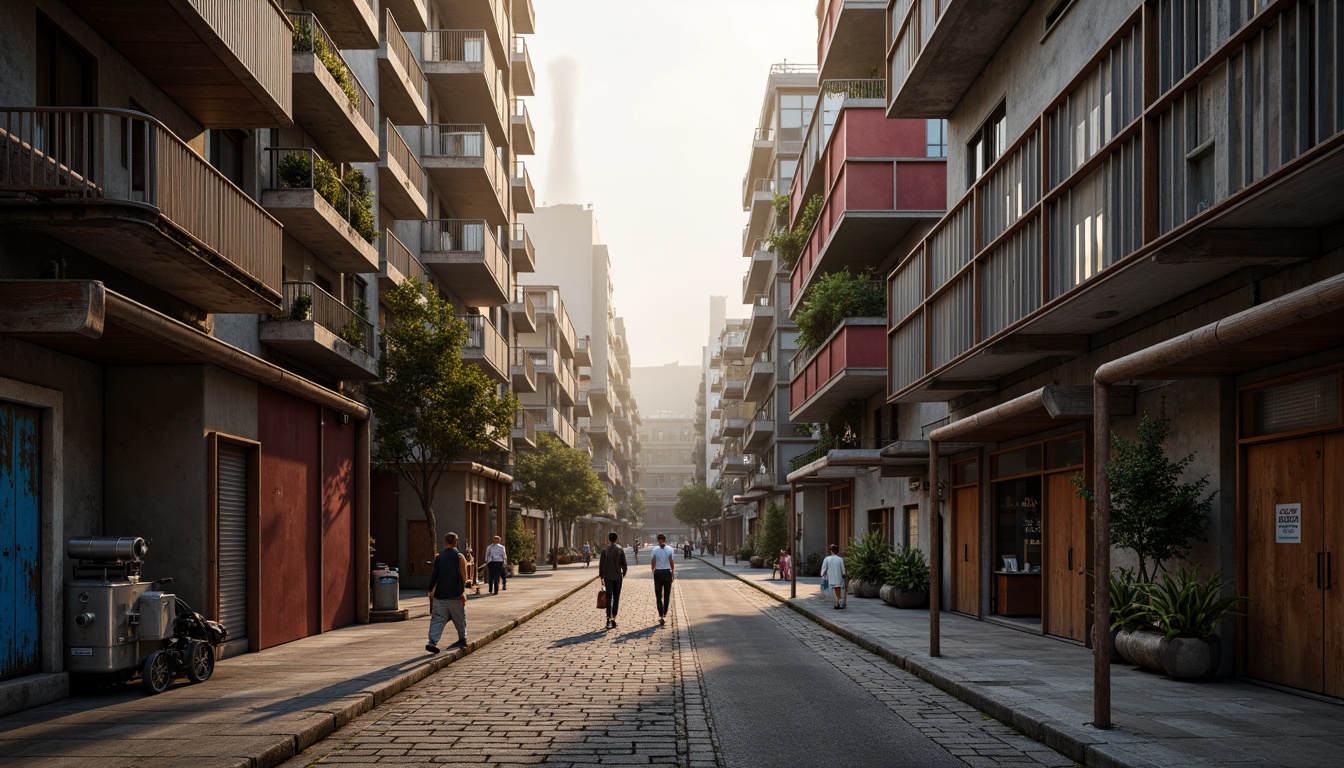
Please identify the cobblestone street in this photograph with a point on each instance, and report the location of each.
(561, 690)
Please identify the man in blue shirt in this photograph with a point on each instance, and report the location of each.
(448, 594)
(664, 568)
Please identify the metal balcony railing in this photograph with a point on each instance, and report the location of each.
(311, 37)
(482, 335)
(400, 257)
(834, 94)
(304, 168)
(400, 50)
(126, 156)
(306, 301)
(525, 423)
(468, 46)
(458, 140)
(399, 151)
(465, 236)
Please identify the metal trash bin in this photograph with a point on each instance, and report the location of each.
(386, 590)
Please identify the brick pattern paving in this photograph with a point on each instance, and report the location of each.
(584, 696)
(975, 738)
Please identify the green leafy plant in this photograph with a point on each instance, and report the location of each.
(866, 557)
(697, 506)
(360, 215)
(519, 543)
(307, 40)
(301, 308)
(833, 297)
(1153, 513)
(559, 481)
(906, 569)
(774, 535)
(788, 243)
(811, 566)
(1129, 602)
(1183, 606)
(353, 331)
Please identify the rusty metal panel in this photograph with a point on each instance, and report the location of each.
(20, 557)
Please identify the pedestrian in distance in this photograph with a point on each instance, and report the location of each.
(587, 554)
(495, 557)
(611, 568)
(636, 547)
(663, 562)
(686, 548)
(448, 594)
(833, 575)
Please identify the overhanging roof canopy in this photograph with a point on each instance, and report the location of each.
(1037, 411)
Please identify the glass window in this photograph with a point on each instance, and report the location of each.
(787, 168)
(936, 142)
(967, 473)
(1065, 452)
(988, 145)
(1299, 404)
(1018, 462)
(1017, 523)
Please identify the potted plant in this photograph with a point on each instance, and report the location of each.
(1187, 612)
(1129, 609)
(905, 579)
(864, 563)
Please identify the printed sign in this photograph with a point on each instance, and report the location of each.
(81, 651)
(1288, 524)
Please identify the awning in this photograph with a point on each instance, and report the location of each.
(838, 464)
(84, 319)
(1037, 411)
(910, 458)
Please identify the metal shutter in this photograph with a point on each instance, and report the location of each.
(232, 538)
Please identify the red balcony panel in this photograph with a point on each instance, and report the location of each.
(852, 365)
(921, 186)
(869, 186)
(868, 133)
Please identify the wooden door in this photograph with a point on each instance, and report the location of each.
(1284, 620)
(20, 553)
(1065, 531)
(966, 550)
(419, 549)
(1333, 554)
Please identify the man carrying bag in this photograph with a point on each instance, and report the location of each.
(611, 569)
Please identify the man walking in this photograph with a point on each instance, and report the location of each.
(611, 569)
(664, 568)
(448, 594)
(495, 556)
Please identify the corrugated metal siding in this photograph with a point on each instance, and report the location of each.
(233, 539)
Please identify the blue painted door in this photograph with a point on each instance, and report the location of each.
(20, 557)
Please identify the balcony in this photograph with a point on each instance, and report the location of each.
(623, 426)
(524, 431)
(401, 180)
(411, 15)
(760, 270)
(551, 421)
(761, 327)
(939, 48)
(871, 203)
(464, 254)
(522, 137)
(329, 101)
(581, 406)
(734, 390)
(549, 363)
(521, 251)
(351, 23)
(462, 161)
(471, 88)
(737, 466)
(524, 196)
(549, 304)
(402, 87)
(734, 345)
(761, 381)
(524, 77)
(606, 471)
(316, 328)
(762, 153)
(763, 479)
(758, 200)
(583, 351)
(226, 63)
(487, 15)
(396, 263)
(522, 315)
(852, 37)
(523, 371)
(486, 348)
(733, 426)
(319, 210)
(524, 17)
(760, 433)
(851, 365)
(170, 220)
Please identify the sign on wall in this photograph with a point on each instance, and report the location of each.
(1288, 523)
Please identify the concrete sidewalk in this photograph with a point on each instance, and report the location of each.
(1043, 687)
(260, 709)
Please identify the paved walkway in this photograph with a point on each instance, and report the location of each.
(1043, 687)
(260, 709)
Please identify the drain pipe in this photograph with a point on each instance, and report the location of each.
(935, 555)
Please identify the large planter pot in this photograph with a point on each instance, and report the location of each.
(526, 567)
(757, 561)
(1190, 658)
(864, 588)
(910, 598)
(888, 594)
(1140, 648)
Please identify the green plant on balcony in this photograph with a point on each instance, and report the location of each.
(352, 332)
(832, 298)
(350, 196)
(308, 41)
(787, 243)
(840, 430)
(301, 308)
(361, 204)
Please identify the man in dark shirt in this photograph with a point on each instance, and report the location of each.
(448, 594)
(611, 568)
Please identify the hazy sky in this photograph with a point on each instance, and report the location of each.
(668, 95)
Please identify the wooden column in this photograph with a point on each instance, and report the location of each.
(793, 539)
(1101, 558)
(935, 553)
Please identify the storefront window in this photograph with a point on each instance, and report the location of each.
(1017, 524)
(1018, 462)
(1297, 404)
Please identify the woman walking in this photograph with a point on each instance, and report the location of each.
(833, 574)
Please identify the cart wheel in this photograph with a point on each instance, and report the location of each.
(157, 673)
(200, 661)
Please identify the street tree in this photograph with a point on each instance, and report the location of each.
(431, 407)
(697, 505)
(559, 481)
(631, 510)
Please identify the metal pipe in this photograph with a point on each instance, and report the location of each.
(793, 539)
(1101, 558)
(935, 555)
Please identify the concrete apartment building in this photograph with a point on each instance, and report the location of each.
(666, 396)
(882, 185)
(199, 206)
(578, 267)
(706, 400)
(1143, 217)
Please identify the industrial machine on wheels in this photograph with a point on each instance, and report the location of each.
(118, 627)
